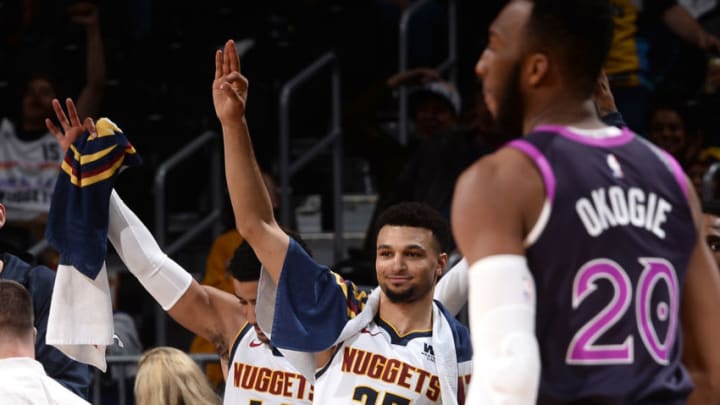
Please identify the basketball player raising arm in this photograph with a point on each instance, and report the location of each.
(584, 241)
(420, 354)
(226, 320)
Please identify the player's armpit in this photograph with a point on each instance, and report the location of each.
(210, 313)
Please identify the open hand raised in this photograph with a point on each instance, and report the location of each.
(72, 128)
(229, 88)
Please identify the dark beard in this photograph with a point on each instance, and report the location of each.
(509, 120)
(400, 297)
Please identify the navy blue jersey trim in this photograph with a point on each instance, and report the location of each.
(396, 338)
(241, 333)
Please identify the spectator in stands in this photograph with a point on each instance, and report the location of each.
(435, 108)
(39, 281)
(30, 156)
(168, 376)
(24, 380)
(671, 127)
(370, 137)
(627, 64)
(444, 151)
(699, 166)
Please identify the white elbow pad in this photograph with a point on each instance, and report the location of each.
(165, 280)
(506, 357)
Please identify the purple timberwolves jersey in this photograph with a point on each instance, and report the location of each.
(609, 256)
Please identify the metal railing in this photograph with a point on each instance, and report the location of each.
(333, 139)
(212, 219)
(37, 248)
(708, 186)
(449, 64)
(121, 363)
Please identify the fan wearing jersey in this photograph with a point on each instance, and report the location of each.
(256, 369)
(395, 346)
(584, 241)
(30, 156)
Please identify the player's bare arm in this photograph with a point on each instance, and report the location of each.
(213, 314)
(249, 197)
(250, 200)
(700, 301)
(496, 203)
(208, 312)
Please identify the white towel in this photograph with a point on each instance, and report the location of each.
(452, 289)
(80, 323)
(442, 337)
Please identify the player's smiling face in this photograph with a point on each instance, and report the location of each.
(246, 292)
(408, 262)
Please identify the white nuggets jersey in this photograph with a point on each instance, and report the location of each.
(259, 375)
(379, 367)
(28, 171)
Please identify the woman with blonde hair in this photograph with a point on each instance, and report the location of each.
(168, 376)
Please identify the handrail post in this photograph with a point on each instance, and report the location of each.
(159, 191)
(158, 313)
(216, 177)
(708, 188)
(452, 41)
(450, 63)
(403, 29)
(284, 153)
(288, 168)
(337, 167)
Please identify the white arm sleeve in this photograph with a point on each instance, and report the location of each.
(452, 289)
(506, 357)
(164, 279)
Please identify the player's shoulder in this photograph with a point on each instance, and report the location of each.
(507, 169)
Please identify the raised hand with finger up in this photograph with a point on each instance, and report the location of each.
(229, 89)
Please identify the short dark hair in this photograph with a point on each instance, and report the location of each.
(667, 99)
(245, 266)
(418, 215)
(578, 31)
(16, 310)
